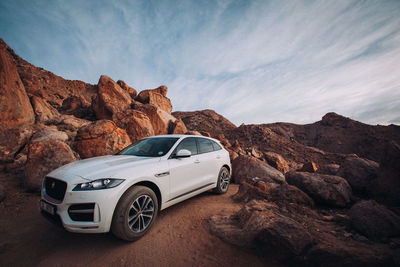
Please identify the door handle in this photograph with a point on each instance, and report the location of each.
(197, 161)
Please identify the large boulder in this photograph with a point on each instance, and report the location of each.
(136, 124)
(45, 113)
(44, 155)
(159, 118)
(156, 97)
(261, 225)
(277, 161)
(374, 220)
(12, 141)
(110, 99)
(77, 106)
(100, 138)
(246, 167)
(360, 173)
(177, 127)
(15, 108)
(386, 188)
(131, 91)
(324, 189)
(278, 193)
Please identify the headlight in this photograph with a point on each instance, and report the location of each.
(98, 184)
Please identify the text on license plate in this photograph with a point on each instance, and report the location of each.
(47, 207)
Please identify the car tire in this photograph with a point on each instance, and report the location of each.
(223, 181)
(135, 213)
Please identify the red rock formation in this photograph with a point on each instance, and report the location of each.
(131, 91)
(110, 99)
(136, 124)
(100, 138)
(15, 108)
(156, 97)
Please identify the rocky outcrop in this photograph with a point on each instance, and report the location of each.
(338, 134)
(360, 173)
(15, 108)
(45, 153)
(278, 193)
(131, 91)
(277, 161)
(387, 186)
(100, 138)
(375, 221)
(205, 121)
(247, 167)
(136, 124)
(159, 118)
(110, 98)
(261, 225)
(309, 166)
(45, 113)
(12, 141)
(156, 97)
(324, 189)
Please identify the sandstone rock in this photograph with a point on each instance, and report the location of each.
(71, 123)
(2, 193)
(45, 113)
(255, 153)
(99, 138)
(177, 127)
(132, 92)
(324, 189)
(330, 169)
(277, 161)
(15, 108)
(374, 220)
(12, 141)
(387, 186)
(156, 98)
(44, 156)
(360, 173)
(246, 167)
(110, 99)
(136, 124)
(233, 155)
(309, 166)
(77, 106)
(159, 118)
(50, 133)
(278, 193)
(260, 224)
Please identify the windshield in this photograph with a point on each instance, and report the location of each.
(150, 147)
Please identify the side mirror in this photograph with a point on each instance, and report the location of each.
(183, 153)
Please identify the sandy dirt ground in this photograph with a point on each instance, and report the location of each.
(179, 237)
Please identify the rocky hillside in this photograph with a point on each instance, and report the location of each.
(47, 121)
(326, 193)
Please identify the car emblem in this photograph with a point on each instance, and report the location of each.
(53, 184)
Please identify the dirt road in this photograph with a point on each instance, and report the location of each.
(180, 237)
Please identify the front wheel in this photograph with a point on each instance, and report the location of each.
(223, 181)
(135, 213)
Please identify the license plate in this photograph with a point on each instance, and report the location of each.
(47, 207)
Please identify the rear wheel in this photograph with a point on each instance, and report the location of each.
(135, 213)
(223, 181)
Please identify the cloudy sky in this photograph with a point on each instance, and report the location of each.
(251, 61)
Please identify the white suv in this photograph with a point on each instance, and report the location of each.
(125, 191)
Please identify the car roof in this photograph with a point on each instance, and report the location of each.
(183, 135)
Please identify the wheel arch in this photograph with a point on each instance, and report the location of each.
(153, 187)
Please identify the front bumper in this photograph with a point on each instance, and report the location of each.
(102, 203)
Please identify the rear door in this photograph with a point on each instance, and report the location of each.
(208, 161)
(185, 173)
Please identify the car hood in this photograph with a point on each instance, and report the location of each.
(100, 167)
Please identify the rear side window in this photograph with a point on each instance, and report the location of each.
(216, 146)
(188, 143)
(205, 145)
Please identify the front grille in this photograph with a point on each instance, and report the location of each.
(55, 188)
(81, 212)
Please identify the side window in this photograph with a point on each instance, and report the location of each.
(188, 143)
(205, 145)
(216, 146)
